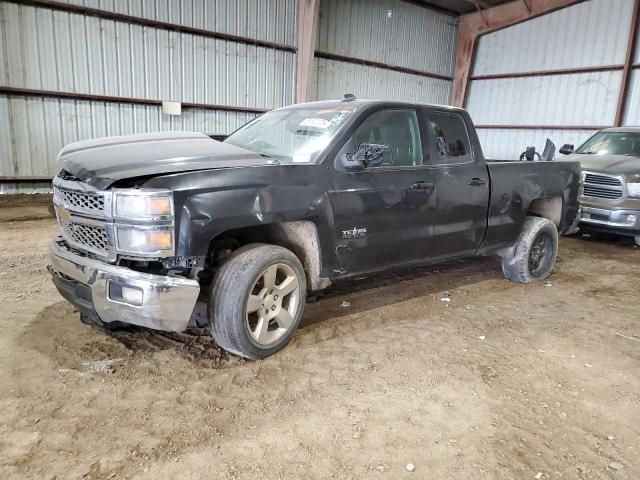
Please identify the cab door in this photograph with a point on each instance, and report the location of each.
(384, 215)
(463, 185)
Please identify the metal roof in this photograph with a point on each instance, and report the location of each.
(459, 7)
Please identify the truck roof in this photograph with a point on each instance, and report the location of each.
(622, 130)
(358, 103)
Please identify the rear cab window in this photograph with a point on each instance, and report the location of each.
(447, 138)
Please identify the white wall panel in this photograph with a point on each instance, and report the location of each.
(40, 127)
(589, 34)
(334, 79)
(52, 50)
(507, 144)
(49, 49)
(246, 18)
(584, 99)
(388, 31)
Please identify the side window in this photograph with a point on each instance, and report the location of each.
(448, 139)
(397, 129)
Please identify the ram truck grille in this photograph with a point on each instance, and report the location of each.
(602, 186)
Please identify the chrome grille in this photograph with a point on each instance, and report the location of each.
(602, 186)
(84, 216)
(87, 201)
(91, 237)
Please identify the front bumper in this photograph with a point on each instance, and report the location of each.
(166, 304)
(624, 222)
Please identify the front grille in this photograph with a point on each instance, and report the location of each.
(91, 237)
(602, 186)
(87, 201)
(602, 179)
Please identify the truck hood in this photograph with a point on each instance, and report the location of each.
(103, 161)
(611, 164)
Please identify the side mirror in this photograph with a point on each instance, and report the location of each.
(218, 137)
(566, 149)
(367, 155)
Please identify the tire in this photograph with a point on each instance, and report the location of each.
(535, 252)
(257, 301)
(637, 240)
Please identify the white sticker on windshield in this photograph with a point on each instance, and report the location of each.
(339, 117)
(316, 122)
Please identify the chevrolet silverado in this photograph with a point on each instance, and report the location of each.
(153, 224)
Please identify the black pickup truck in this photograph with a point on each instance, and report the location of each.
(152, 225)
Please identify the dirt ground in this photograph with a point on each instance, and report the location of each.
(504, 381)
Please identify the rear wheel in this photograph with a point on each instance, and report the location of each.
(257, 301)
(535, 252)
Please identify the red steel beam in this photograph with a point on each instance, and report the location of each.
(307, 24)
(29, 92)
(432, 6)
(544, 73)
(478, 3)
(385, 66)
(628, 65)
(32, 179)
(476, 24)
(543, 127)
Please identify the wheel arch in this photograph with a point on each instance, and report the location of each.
(300, 237)
(550, 208)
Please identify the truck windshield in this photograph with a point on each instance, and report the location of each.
(293, 135)
(612, 143)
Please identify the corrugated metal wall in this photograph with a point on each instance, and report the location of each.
(270, 20)
(390, 32)
(45, 49)
(589, 34)
(41, 126)
(333, 79)
(580, 99)
(592, 34)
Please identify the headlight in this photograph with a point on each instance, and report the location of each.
(144, 222)
(147, 241)
(633, 190)
(143, 204)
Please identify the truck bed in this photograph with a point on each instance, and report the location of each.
(514, 185)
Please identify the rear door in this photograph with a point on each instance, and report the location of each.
(462, 184)
(384, 215)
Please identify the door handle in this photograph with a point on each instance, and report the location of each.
(421, 185)
(475, 182)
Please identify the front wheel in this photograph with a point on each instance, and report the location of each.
(535, 252)
(637, 239)
(257, 301)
